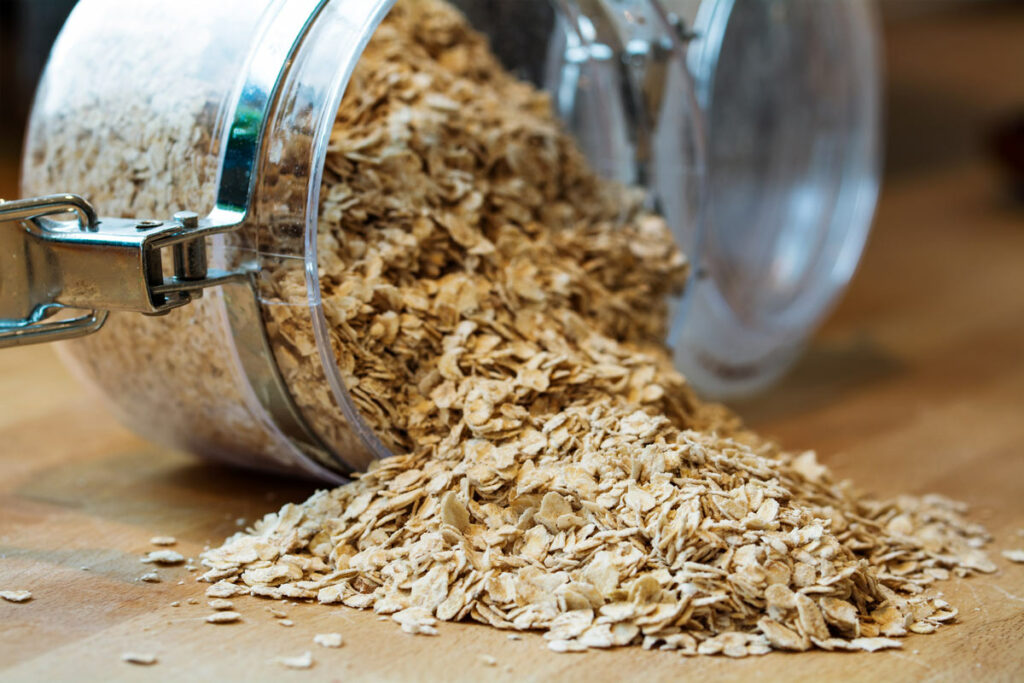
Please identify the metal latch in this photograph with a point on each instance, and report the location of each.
(63, 268)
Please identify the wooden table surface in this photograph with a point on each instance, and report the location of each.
(915, 385)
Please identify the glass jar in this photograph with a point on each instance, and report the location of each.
(205, 128)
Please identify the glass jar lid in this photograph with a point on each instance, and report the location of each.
(790, 97)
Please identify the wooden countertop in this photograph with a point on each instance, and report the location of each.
(915, 385)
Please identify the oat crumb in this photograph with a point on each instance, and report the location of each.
(220, 604)
(303, 661)
(163, 540)
(328, 639)
(140, 658)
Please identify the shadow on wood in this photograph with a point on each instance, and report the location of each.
(827, 371)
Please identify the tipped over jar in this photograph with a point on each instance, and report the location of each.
(307, 191)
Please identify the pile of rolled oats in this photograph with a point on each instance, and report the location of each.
(498, 312)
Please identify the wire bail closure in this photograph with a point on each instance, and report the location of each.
(61, 276)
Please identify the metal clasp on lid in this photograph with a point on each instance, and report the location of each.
(60, 277)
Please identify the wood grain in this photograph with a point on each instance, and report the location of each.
(915, 385)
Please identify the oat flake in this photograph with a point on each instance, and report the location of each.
(1014, 555)
(16, 596)
(167, 557)
(226, 617)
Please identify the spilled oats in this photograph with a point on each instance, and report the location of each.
(498, 312)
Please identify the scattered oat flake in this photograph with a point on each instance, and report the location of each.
(220, 604)
(328, 639)
(140, 658)
(163, 557)
(286, 622)
(488, 660)
(176, 603)
(163, 540)
(873, 644)
(223, 617)
(16, 596)
(303, 661)
(1014, 555)
(150, 577)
